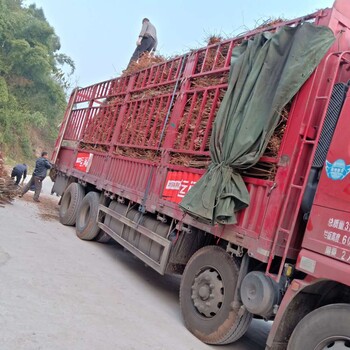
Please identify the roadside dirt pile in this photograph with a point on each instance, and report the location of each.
(8, 190)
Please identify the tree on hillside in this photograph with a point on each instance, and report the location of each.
(32, 81)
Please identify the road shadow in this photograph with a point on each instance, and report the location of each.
(168, 286)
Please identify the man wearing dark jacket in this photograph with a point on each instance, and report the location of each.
(147, 40)
(41, 166)
(18, 171)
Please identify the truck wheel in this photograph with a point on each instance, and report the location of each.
(102, 237)
(114, 224)
(70, 203)
(206, 294)
(323, 329)
(86, 226)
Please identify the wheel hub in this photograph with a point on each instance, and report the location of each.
(334, 343)
(204, 292)
(208, 292)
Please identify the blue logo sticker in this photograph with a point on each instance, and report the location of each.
(338, 170)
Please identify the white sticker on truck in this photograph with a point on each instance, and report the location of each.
(307, 264)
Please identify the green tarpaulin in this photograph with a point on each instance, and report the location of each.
(266, 72)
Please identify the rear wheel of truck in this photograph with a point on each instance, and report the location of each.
(206, 295)
(70, 203)
(86, 226)
(326, 328)
(102, 237)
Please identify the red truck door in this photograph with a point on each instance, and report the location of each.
(328, 227)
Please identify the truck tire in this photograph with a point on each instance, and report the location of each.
(325, 328)
(131, 235)
(102, 237)
(70, 203)
(206, 294)
(114, 224)
(145, 243)
(156, 249)
(86, 227)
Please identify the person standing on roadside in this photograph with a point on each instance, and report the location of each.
(19, 171)
(42, 164)
(147, 40)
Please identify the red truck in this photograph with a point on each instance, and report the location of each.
(132, 150)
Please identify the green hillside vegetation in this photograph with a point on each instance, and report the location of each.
(32, 81)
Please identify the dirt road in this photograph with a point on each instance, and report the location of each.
(58, 292)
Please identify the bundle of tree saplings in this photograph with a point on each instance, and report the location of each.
(145, 61)
(8, 189)
(147, 105)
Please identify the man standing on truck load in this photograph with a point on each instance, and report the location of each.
(18, 171)
(147, 40)
(41, 166)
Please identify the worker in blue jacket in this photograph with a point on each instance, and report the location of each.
(19, 171)
(42, 164)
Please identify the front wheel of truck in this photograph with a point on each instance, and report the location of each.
(326, 328)
(70, 203)
(206, 297)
